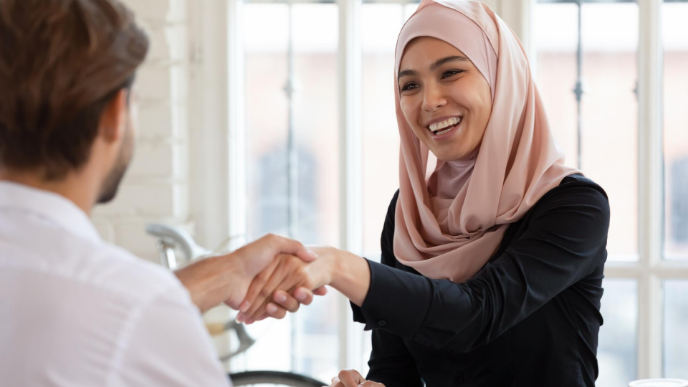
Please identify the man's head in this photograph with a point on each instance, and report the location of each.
(66, 72)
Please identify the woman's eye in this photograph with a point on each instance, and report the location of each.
(450, 73)
(409, 86)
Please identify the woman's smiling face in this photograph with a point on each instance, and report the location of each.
(445, 99)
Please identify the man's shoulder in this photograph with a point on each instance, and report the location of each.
(92, 263)
(121, 276)
(131, 276)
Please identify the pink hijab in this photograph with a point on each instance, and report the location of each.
(448, 226)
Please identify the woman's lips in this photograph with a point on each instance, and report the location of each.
(446, 133)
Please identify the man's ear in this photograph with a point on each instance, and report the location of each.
(113, 121)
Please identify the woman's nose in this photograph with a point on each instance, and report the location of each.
(433, 100)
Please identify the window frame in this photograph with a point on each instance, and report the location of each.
(210, 54)
(652, 267)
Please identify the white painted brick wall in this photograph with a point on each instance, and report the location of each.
(155, 188)
(160, 11)
(162, 119)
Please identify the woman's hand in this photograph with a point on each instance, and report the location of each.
(344, 271)
(227, 278)
(285, 276)
(351, 378)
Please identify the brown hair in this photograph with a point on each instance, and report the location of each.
(61, 62)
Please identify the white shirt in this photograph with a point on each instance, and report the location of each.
(76, 311)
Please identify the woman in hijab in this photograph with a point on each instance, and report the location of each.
(492, 266)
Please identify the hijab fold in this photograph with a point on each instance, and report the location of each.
(450, 224)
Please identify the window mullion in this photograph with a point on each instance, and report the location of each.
(623, 270)
(350, 162)
(650, 182)
(236, 128)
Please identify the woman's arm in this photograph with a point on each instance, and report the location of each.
(390, 361)
(564, 242)
(350, 275)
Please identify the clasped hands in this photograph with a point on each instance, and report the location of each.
(273, 275)
(286, 283)
(248, 278)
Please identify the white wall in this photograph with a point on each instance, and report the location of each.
(156, 187)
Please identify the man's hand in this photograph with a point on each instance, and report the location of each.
(342, 270)
(226, 278)
(255, 257)
(351, 378)
(283, 277)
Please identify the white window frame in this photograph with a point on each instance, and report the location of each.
(219, 137)
(650, 270)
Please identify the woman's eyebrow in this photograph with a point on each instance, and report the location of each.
(434, 66)
(454, 58)
(406, 73)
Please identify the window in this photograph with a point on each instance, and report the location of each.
(675, 317)
(322, 139)
(600, 74)
(293, 111)
(587, 73)
(291, 123)
(675, 39)
(380, 25)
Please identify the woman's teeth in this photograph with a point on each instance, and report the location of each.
(444, 131)
(444, 126)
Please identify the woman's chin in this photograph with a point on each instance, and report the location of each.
(451, 153)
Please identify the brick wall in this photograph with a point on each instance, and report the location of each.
(156, 187)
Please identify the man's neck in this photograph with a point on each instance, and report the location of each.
(75, 187)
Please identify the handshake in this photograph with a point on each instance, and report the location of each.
(265, 278)
(274, 275)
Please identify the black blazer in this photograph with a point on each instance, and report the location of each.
(530, 317)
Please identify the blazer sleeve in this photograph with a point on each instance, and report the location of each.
(390, 361)
(565, 240)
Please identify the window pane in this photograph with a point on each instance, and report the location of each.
(610, 116)
(616, 353)
(556, 40)
(675, 37)
(608, 107)
(380, 25)
(675, 329)
(306, 343)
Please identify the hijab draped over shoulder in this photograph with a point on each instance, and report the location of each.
(450, 224)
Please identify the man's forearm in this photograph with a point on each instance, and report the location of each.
(226, 278)
(210, 281)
